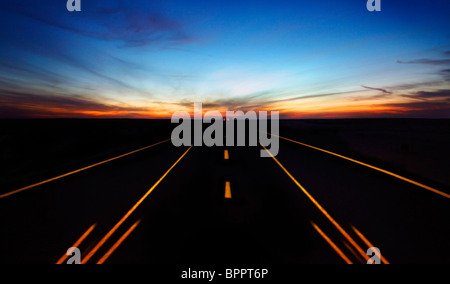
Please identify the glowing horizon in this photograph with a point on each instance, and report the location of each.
(328, 59)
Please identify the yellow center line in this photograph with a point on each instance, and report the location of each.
(371, 167)
(228, 190)
(332, 244)
(227, 155)
(118, 243)
(77, 171)
(321, 209)
(369, 244)
(76, 244)
(131, 211)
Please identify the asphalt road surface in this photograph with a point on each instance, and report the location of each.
(225, 206)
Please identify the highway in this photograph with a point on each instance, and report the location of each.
(226, 206)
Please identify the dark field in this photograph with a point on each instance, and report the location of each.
(415, 147)
(186, 220)
(33, 150)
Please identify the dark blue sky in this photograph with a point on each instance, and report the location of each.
(152, 58)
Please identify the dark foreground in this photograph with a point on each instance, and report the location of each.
(187, 222)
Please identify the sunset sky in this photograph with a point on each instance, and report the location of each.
(148, 59)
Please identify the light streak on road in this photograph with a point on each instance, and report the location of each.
(321, 209)
(118, 243)
(353, 252)
(369, 244)
(78, 171)
(372, 167)
(77, 244)
(131, 211)
(332, 244)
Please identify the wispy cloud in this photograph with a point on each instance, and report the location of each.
(24, 105)
(427, 61)
(442, 95)
(128, 22)
(437, 62)
(118, 28)
(424, 104)
(445, 74)
(316, 96)
(378, 89)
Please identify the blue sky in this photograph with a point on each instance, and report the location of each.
(307, 59)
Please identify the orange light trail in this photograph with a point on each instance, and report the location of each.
(226, 155)
(118, 243)
(321, 209)
(369, 244)
(77, 171)
(332, 244)
(76, 244)
(131, 211)
(353, 252)
(372, 167)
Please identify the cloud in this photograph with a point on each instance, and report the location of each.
(445, 74)
(233, 104)
(25, 69)
(26, 105)
(425, 109)
(133, 23)
(324, 95)
(423, 95)
(378, 89)
(257, 101)
(426, 104)
(27, 72)
(437, 62)
(53, 37)
(418, 85)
